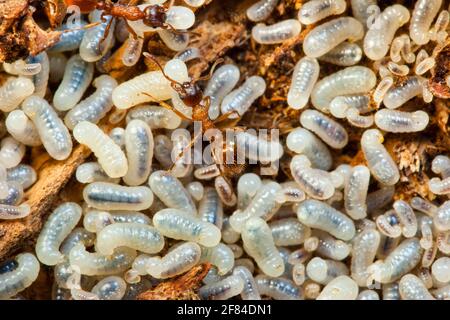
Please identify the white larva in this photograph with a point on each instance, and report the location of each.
(319, 215)
(258, 148)
(323, 271)
(177, 224)
(22, 68)
(364, 250)
(23, 174)
(380, 163)
(10, 212)
(171, 191)
(351, 80)
(93, 47)
(174, 41)
(291, 192)
(247, 187)
(133, 50)
(413, 288)
(355, 193)
(139, 147)
(11, 152)
(110, 288)
(177, 261)
(399, 95)
(304, 77)
(222, 290)
(138, 236)
(189, 54)
(240, 99)
(210, 208)
(422, 17)
(328, 35)
(345, 54)
(250, 291)
(340, 288)
(155, 116)
(219, 86)
(162, 151)
(276, 33)
(328, 247)
(52, 131)
(133, 91)
(316, 10)
(361, 11)
(22, 128)
(77, 78)
(110, 156)
(92, 264)
(330, 131)
(220, 256)
(259, 244)
(94, 107)
(261, 10)
(368, 295)
(401, 121)
(441, 270)
(14, 91)
(442, 217)
(381, 33)
(289, 232)
(21, 277)
(89, 172)
(58, 62)
(278, 288)
(196, 190)
(40, 79)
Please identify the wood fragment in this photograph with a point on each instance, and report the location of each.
(181, 288)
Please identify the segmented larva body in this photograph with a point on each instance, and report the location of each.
(355, 194)
(224, 289)
(290, 192)
(94, 46)
(175, 262)
(316, 10)
(240, 99)
(133, 50)
(364, 250)
(340, 288)
(438, 186)
(77, 78)
(70, 40)
(264, 205)
(15, 194)
(110, 156)
(229, 235)
(58, 62)
(162, 151)
(368, 295)
(329, 247)
(110, 288)
(77, 235)
(133, 92)
(380, 163)
(250, 290)
(258, 243)
(441, 165)
(328, 35)
(412, 288)
(345, 54)
(89, 172)
(180, 225)
(304, 142)
(316, 183)
(171, 191)
(155, 116)
(139, 147)
(219, 86)
(22, 174)
(188, 54)
(258, 148)
(401, 121)
(179, 17)
(14, 91)
(53, 133)
(361, 11)
(196, 190)
(304, 77)
(381, 33)
(351, 80)
(399, 95)
(406, 217)
(110, 196)
(276, 33)
(441, 270)
(442, 217)
(118, 136)
(220, 256)
(247, 187)
(22, 128)
(443, 293)
(323, 271)
(22, 68)
(422, 17)
(57, 227)
(261, 10)
(210, 207)
(174, 41)
(319, 215)
(390, 291)
(278, 288)
(137, 236)
(23, 275)
(399, 262)
(93, 264)
(94, 107)
(11, 152)
(40, 79)
(340, 106)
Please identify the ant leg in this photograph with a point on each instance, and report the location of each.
(87, 26)
(131, 30)
(185, 149)
(106, 33)
(226, 116)
(169, 107)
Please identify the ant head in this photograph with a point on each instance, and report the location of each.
(155, 16)
(189, 92)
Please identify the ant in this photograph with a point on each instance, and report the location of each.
(192, 96)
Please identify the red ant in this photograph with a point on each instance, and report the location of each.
(192, 96)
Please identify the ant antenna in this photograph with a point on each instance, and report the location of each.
(211, 71)
(87, 26)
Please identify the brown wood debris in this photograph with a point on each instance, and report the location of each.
(181, 288)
